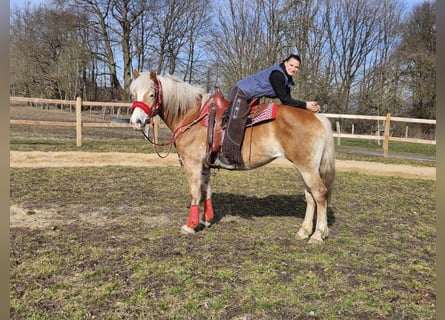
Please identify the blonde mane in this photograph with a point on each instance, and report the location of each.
(178, 97)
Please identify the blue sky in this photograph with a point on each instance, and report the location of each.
(412, 3)
(409, 3)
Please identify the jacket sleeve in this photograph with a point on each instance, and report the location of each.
(283, 93)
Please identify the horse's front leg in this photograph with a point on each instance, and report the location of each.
(198, 183)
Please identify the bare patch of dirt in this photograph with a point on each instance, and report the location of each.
(35, 159)
(32, 219)
(49, 219)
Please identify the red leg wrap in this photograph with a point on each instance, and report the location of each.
(208, 210)
(193, 221)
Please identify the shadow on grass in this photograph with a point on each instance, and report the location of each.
(248, 207)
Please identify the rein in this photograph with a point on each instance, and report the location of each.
(175, 134)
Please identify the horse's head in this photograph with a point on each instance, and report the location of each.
(145, 90)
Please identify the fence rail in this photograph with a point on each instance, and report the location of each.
(79, 103)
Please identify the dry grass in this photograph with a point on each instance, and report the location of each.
(104, 243)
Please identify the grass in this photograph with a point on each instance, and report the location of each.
(88, 145)
(138, 145)
(394, 146)
(113, 248)
(104, 243)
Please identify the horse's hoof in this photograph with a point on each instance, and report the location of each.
(301, 235)
(300, 238)
(315, 240)
(185, 229)
(206, 224)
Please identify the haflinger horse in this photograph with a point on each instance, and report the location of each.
(301, 136)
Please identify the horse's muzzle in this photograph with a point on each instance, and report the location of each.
(137, 125)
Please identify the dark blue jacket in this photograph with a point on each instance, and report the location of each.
(258, 85)
(272, 82)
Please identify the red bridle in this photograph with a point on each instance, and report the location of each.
(154, 110)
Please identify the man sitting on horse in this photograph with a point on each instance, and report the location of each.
(274, 82)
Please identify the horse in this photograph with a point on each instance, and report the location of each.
(298, 135)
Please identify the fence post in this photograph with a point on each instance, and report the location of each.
(79, 121)
(387, 128)
(337, 124)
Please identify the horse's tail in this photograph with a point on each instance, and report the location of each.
(327, 165)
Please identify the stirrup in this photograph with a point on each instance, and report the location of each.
(219, 162)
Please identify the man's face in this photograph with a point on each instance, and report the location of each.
(292, 66)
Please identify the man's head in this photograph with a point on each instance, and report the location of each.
(292, 64)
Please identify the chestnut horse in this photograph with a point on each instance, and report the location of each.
(302, 137)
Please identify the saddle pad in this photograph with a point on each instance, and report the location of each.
(268, 113)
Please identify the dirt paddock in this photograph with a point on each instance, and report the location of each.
(38, 159)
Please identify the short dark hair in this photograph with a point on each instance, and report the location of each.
(293, 55)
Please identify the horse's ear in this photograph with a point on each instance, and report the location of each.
(135, 74)
(153, 76)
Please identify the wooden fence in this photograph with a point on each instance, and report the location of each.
(79, 103)
(386, 137)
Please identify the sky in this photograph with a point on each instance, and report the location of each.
(409, 3)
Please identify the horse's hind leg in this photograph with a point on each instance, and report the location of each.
(206, 192)
(316, 197)
(306, 228)
(321, 232)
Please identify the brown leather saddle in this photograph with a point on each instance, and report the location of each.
(217, 125)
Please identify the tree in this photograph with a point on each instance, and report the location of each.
(308, 35)
(99, 13)
(126, 14)
(418, 52)
(354, 36)
(380, 84)
(357, 56)
(248, 37)
(47, 56)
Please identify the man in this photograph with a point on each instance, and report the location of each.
(274, 82)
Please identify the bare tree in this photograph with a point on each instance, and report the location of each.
(47, 56)
(175, 29)
(126, 14)
(193, 55)
(380, 85)
(248, 37)
(142, 37)
(113, 22)
(354, 35)
(352, 57)
(307, 35)
(418, 51)
(100, 19)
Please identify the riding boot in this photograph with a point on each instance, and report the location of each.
(231, 157)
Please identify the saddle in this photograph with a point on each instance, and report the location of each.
(217, 123)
